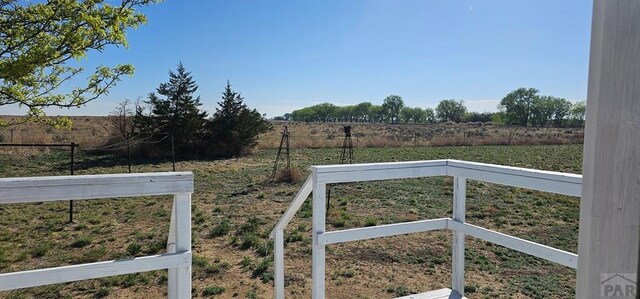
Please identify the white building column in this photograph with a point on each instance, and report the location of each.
(610, 205)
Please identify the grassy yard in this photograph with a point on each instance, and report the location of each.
(235, 207)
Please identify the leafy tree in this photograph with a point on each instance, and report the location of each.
(362, 112)
(477, 117)
(542, 110)
(561, 109)
(518, 105)
(39, 40)
(578, 112)
(451, 110)
(177, 112)
(305, 114)
(406, 115)
(413, 115)
(499, 118)
(392, 106)
(345, 113)
(430, 116)
(326, 112)
(377, 114)
(235, 127)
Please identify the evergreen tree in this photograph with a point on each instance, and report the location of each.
(174, 111)
(235, 127)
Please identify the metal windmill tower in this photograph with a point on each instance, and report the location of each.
(347, 147)
(284, 144)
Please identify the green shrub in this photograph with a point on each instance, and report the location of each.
(250, 241)
(213, 290)
(261, 267)
(221, 229)
(253, 293)
(134, 248)
(295, 237)
(102, 292)
(94, 255)
(371, 221)
(246, 262)
(216, 268)
(40, 249)
(470, 289)
(399, 290)
(81, 242)
(251, 226)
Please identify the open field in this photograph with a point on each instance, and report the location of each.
(92, 132)
(88, 131)
(235, 207)
(318, 135)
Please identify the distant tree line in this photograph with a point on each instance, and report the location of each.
(526, 107)
(392, 110)
(173, 111)
(523, 106)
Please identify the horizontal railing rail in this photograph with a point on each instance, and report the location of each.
(547, 181)
(177, 259)
(541, 180)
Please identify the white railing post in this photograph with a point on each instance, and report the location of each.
(278, 271)
(278, 235)
(45, 189)
(461, 171)
(318, 250)
(457, 251)
(179, 280)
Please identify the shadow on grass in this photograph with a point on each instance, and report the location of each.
(85, 161)
(91, 161)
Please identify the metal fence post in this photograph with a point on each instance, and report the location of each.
(173, 154)
(128, 152)
(457, 251)
(73, 167)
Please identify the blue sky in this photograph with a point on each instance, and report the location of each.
(284, 55)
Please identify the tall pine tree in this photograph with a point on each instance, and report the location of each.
(174, 111)
(235, 127)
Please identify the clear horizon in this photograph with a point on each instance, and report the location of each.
(288, 55)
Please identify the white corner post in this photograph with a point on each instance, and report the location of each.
(610, 206)
(278, 271)
(457, 249)
(179, 280)
(318, 250)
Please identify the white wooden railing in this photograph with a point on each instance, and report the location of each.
(554, 182)
(177, 259)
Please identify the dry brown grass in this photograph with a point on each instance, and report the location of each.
(91, 132)
(285, 176)
(87, 131)
(328, 135)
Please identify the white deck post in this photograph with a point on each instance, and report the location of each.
(608, 249)
(457, 249)
(179, 280)
(278, 252)
(318, 252)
